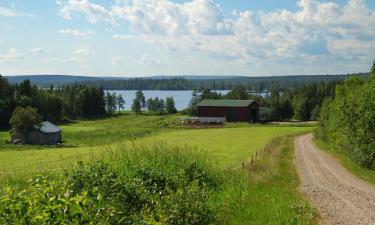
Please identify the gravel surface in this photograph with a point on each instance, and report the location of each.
(339, 196)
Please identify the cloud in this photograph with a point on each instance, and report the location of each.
(38, 50)
(11, 56)
(116, 60)
(9, 12)
(94, 12)
(75, 33)
(83, 52)
(316, 31)
(147, 60)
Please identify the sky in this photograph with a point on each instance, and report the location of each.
(135, 38)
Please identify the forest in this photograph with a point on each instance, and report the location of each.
(347, 121)
(301, 103)
(53, 104)
(255, 84)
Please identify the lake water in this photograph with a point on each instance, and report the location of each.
(181, 98)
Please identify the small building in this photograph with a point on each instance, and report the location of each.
(45, 133)
(231, 110)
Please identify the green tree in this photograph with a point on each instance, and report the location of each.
(193, 104)
(120, 103)
(136, 106)
(111, 102)
(141, 98)
(170, 106)
(23, 119)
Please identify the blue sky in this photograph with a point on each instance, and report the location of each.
(202, 37)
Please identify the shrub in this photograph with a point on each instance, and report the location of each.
(138, 187)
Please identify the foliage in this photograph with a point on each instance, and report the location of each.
(348, 122)
(255, 84)
(24, 118)
(52, 104)
(138, 189)
(136, 106)
(193, 104)
(170, 106)
(156, 105)
(110, 102)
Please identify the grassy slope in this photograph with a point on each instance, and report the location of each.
(267, 195)
(229, 145)
(364, 173)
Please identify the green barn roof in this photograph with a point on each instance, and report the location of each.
(225, 103)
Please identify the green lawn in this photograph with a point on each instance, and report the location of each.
(89, 139)
(229, 146)
(266, 193)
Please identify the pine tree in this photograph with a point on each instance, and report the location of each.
(120, 102)
(170, 106)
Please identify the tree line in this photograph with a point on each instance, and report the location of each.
(54, 103)
(255, 84)
(347, 120)
(300, 103)
(154, 105)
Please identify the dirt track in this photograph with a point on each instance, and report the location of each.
(339, 196)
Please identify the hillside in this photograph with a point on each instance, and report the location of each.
(184, 82)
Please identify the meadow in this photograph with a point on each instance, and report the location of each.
(175, 174)
(85, 140)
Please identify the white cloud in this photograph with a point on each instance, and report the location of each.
(316, 31)
(75, 33)
(38, 50)
(10, 12)
(123, 37)
(94, 12)
(117, 60)
(148, 60)
(83, 52)
(11, 56)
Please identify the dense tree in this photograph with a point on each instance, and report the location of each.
(23, 119)
(348, 120)
(111, 102)
(170, 106)
(141, 98)
(255, 84)
(120, 102)
(136, 106)
(193, 104)
(156, 105)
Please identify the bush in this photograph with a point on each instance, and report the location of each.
(348, 121)
(145, 185)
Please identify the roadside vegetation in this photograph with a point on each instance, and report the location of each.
(161, 183)
(347, 122)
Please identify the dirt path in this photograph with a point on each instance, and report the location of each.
(339, 196)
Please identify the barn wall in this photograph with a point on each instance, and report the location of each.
(242, 114)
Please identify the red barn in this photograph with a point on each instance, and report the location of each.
(232, 110)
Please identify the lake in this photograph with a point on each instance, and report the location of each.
(181, 98)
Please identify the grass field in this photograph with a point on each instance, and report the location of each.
(263, 193)
(90, 139)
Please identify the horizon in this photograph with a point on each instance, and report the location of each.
(144, 38)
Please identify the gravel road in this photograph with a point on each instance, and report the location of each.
(339, 196)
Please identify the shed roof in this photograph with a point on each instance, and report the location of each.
(47, 127)
(225, 103)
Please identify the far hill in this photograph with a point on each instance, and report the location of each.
(183, 82)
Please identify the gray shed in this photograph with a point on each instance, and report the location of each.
(45, 133)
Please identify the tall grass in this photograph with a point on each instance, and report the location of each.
(160, 183)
